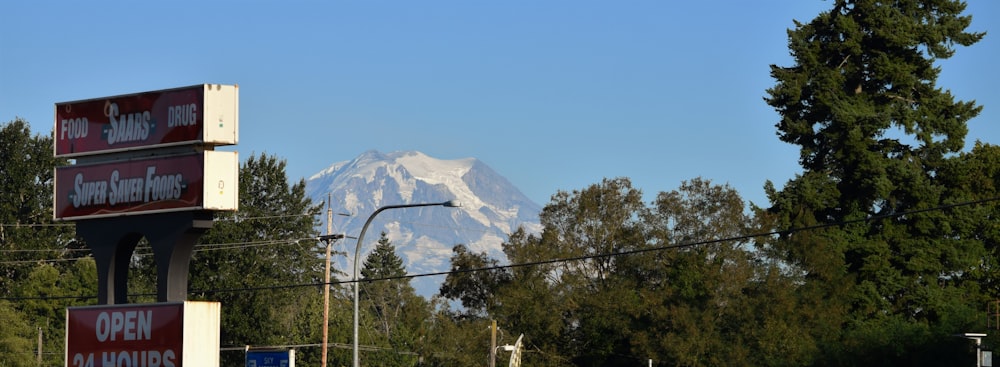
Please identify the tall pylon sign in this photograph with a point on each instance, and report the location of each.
(145, 167)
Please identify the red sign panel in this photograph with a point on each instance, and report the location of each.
(138, 121)
(118, 188)
(131, 335)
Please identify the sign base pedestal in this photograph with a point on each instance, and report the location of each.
(172, 237)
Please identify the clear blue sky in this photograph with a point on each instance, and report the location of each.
(554, 95)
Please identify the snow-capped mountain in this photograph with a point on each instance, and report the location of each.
(423, 236)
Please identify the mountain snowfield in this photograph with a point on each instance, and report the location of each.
(424, 236)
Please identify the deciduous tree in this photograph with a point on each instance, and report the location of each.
(27, 231)
(16, 348)
(474, 280)
(38, 257)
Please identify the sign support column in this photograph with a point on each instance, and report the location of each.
(172, 237)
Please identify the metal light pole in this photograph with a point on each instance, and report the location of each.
(357, 252)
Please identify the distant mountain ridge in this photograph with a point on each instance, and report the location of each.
(424, 237)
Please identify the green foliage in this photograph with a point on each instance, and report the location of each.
(395, 311)
(16, 349)
(269, 242)
(667, 282)
(46, 293)
(26, 185)
(26, 174)
(878, 141)
(383, 262)
(974, 177)
(470, 283)
(700, 287)
(451, 341)
(38, 258)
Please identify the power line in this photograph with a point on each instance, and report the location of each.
(140, 254)
(565, 259)
(239, 245)
(230, 245)
(44, 250)
(40, 261)
(221, 218)
(202, 247)
(36, 224)
(238, 218)
(198, 248)
(367, 348)
(463, 229)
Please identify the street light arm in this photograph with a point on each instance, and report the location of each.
(357, 254)
(361, 237)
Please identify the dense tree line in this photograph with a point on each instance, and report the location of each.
(36, 255)
(879, 252)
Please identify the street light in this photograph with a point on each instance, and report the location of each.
(978, 339)
(357, 252)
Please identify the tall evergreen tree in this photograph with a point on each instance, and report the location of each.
(384, 295)
(875, 132)
(973, 177)
(247, 260)
(396, 311)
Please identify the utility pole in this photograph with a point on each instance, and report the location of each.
(328, 240)
(326, 279)
(39, 346)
